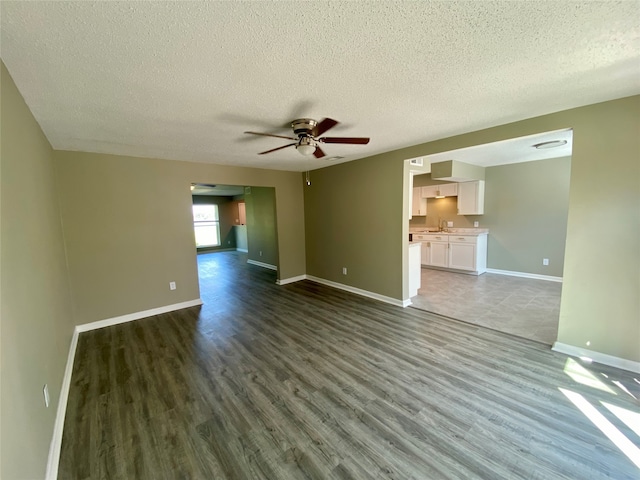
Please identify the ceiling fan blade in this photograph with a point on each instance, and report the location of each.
(318, 153)
(323, 126)
(275, 149)
(270, 135)
(352, 140)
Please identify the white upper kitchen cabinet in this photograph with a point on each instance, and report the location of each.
(419, 204)
(444, 190)
(471, 198)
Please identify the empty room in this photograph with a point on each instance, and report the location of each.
(327, 240)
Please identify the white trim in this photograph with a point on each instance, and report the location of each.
(359, 291)
(285, 281)
(264, 265)
(244, 250)
(58, 426)
(597, 357)
(525, 275)
(56, 440)
(85, 327)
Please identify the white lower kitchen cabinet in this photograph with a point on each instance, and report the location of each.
(437, 255)
(466, 253)
(462, 255)
(414, 268)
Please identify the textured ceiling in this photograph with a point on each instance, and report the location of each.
(183, 80)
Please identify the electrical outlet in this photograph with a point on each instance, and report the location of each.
(228, 242)
(476, 224)
(172, 285)
(449, 224)
(545, 261)
(45, 392)
(260, 252)
(344, 270)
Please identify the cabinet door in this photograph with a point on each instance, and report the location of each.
(419, 204)
(449, 189)
(430, 191)
(438, 254)
(471, 198)
(424, 253)
(462, 255)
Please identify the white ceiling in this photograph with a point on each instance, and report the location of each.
(184, 80)
(515, 150)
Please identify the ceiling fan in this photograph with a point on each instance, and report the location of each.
(308, 132)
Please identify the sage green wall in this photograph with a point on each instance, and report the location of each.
(526, 207)
(129, 232)
(458, 171)
(36, 307)
(262, 234)
(354, 209)
(600, 301)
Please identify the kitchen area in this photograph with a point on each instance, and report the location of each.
(446, 206)
(448, 258)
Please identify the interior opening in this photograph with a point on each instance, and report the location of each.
(488, 224)
(234, 218)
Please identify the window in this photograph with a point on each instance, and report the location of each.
(206, 225)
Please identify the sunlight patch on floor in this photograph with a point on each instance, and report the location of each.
(610, 430)
(581, 375)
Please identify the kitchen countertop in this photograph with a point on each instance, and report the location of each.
(451, 231)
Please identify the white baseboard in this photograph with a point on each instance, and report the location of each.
(244, 250)
(56, 440)
(359, 291)
(525, 275)
(597, 357)
(264, 265)
(85, 327)
(285, 281)
(58, 426)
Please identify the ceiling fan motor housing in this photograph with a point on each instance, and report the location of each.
(304, 126)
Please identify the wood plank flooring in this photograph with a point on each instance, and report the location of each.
(303, 381)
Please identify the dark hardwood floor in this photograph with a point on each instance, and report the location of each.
(303, 381)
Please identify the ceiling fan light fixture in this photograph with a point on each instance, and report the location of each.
(306, 149)
(306, 146)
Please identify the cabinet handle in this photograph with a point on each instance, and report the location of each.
(461, 238)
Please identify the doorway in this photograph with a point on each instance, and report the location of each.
(526, 197)
(236, 218)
